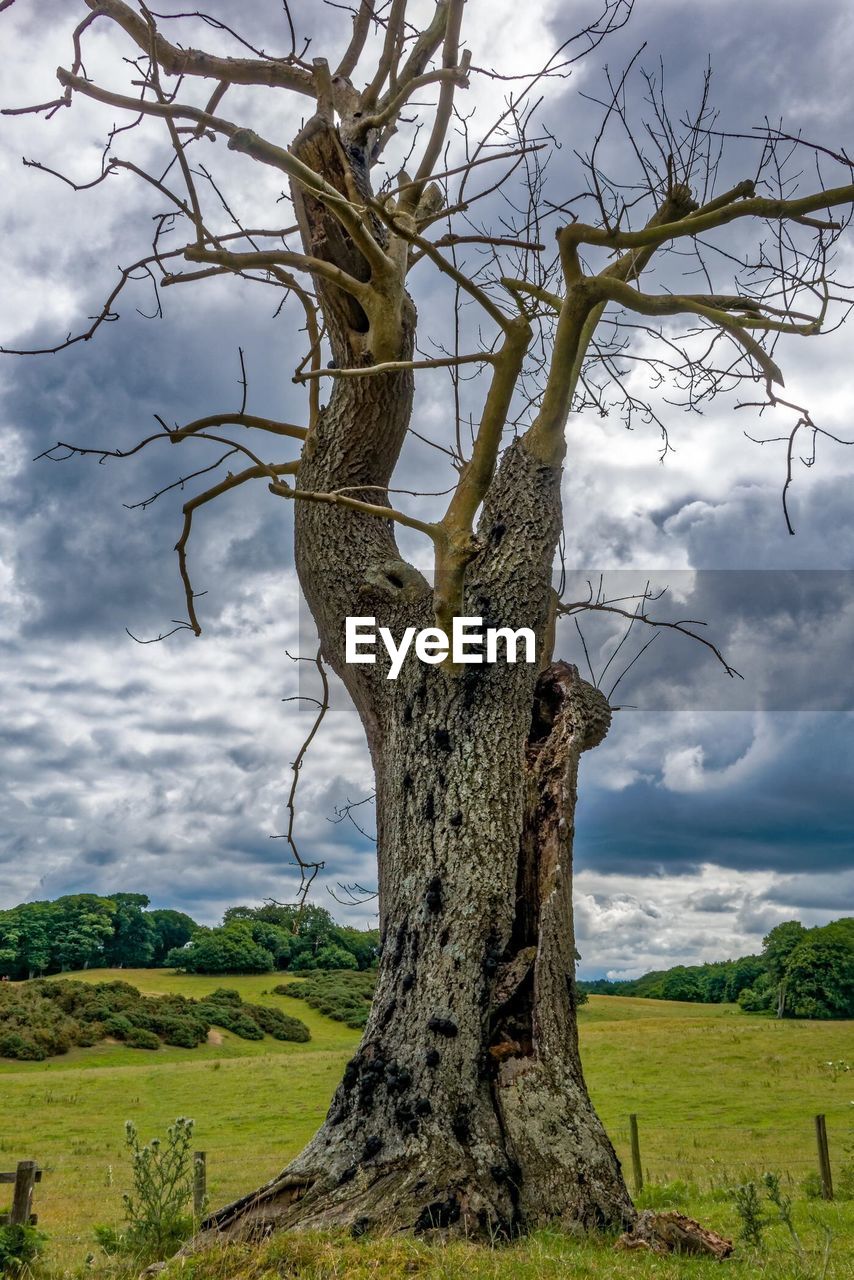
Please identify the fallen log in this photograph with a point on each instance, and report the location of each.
(673, 1233)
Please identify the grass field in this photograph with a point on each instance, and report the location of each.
(720, 1097)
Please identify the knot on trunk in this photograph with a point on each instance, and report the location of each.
(561, 693)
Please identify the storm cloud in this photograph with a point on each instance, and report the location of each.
(717, 806)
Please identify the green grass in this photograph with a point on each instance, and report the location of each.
(542, 1256)
(719, 1096)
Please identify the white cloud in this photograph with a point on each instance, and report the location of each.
(165, 768)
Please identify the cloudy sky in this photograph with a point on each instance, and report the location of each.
(716, 807)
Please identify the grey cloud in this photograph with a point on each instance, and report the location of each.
(172, 763)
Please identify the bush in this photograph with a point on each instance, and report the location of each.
(39, 1019)
(279, 1025)
(342, 995)
(225, 995)
(19, 1246)
(228, 949)
(234, 1018)
(118, 1026)
(753, 1001)
(139, 1038)
(748, 1206)
(14, 1045)
(332, 957)
(89, 1034)
(157, 1210)
(184, 1033)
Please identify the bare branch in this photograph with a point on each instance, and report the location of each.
(395, 366)
(260, 470)
(176, 61)
(763, 207)
(261, 260)
(340, 499)
(307, 870)
(442, 118)
(599, 604)
(361, 27)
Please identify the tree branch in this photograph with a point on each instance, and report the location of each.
(258, 471)
(262, 259)
(194, 62)
(708, 220)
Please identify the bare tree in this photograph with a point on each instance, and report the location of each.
(465, 1106)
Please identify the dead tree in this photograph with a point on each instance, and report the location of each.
(465, 1107)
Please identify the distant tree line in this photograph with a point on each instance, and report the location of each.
(120, 930)
(800, 973)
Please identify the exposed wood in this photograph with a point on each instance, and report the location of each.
(637, 1167)
(823, 1158)
(674, 1233)
(11, 1177)
(200, 1183)
(22, 1200)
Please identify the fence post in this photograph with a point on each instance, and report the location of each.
(200, 1182)
(637, 1167)
(22, 1201)
(823, 1158)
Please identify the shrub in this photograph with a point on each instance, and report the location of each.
(753, 1001)
(228, 949)
(748, 1206)
(184, 1033)
(342, 995)
(332, 957)
(279, 1025)
(39, 1019)
(157, 1210)
(19, 1246)
(139, 1038)
(233, 1018)
(14, 1045)
(89, 1034)
(118, 1026)
(225, 995)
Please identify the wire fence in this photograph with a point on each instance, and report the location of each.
(79, 1188)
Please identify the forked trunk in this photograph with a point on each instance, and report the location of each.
(465, 1107)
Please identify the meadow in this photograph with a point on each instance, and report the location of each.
(721, 1098)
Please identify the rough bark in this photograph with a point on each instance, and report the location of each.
(465, 1107)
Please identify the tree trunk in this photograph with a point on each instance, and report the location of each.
(465, 1107)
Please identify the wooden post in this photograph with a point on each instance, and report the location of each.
(637, 1167)
(22, 1201)
(823, 1158)
(200, 1182)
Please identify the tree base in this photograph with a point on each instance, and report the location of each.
(434, 1203)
